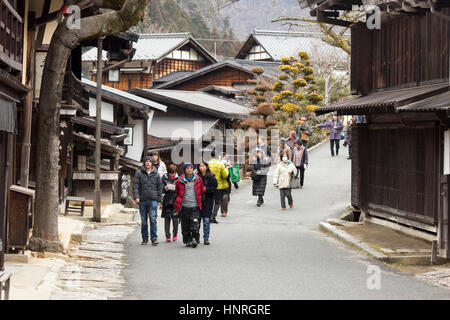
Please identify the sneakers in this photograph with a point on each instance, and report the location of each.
(143, 243)
(214, 221)
(167, 239)
(194, 243)
(206, 242)
(283, 209)
(155, 243)
(224, 214)
(189, 244)
(291, 205)
(175, 238)
(258, 204)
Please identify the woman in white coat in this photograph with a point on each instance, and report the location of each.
(282, 179)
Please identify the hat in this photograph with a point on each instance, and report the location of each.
(293, 133)
(282, 140)
(187, 164)
(148, 159)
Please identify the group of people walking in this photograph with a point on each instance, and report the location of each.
(291, 159)
(194, 198)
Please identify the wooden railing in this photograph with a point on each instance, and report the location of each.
(11, 35)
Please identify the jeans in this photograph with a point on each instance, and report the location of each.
(149, 210)
(190, 223)
(167, 221)
(332, 144)
(283, 194)
(206, 227)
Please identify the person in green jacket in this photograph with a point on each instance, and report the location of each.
(222, 196)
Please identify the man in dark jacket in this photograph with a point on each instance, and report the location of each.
(147, 190)
(303, 131)
(189, 189)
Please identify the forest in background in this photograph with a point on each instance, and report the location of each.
(202, 19)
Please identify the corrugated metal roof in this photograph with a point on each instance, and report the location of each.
(181, 128)
(387, 99)
(126, 95)
(197, 101)
(279, 44)
(154, 46)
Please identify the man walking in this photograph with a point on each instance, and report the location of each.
(147, 190)
(303, 132)
(222, 196)
(189, 189)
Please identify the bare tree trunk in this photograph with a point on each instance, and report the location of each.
(45, 231)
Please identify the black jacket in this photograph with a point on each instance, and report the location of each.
(210, 183)
(259, 181)
(169, 197)
(147, 187)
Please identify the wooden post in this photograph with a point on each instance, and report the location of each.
(98, 117)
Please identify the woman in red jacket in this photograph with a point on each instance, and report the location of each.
(189, 189)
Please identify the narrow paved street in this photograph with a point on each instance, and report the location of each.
(265, 253)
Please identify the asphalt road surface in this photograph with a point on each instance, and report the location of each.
(265, 253)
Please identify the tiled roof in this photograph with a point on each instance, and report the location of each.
(133, 99)
(270, 70)
(279, 44)
(407, 99)
(196, 101)
(155, 46)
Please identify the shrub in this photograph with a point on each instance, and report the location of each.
(266, 109)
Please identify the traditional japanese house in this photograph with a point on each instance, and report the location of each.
(401, 154)
(155, 56)
(126, 119)
(13, 97)
(274, 45)
(190, 117)
(230, 73)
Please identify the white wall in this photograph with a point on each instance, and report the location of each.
(107, 110)
(135, 151)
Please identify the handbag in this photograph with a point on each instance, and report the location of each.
(294, 183)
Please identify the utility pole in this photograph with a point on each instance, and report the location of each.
(98, 118)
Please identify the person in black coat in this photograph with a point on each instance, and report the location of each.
(169, 213)
(260, 168)
(210, 183)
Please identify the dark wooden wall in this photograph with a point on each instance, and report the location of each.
(168, 66)
(399, 175)
(224, 77)
(129, 81)
(406, 51)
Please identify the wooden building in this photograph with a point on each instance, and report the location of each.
(401, 153)
(155, 56)
(125, 122)
(230, 73)
(274, 45)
